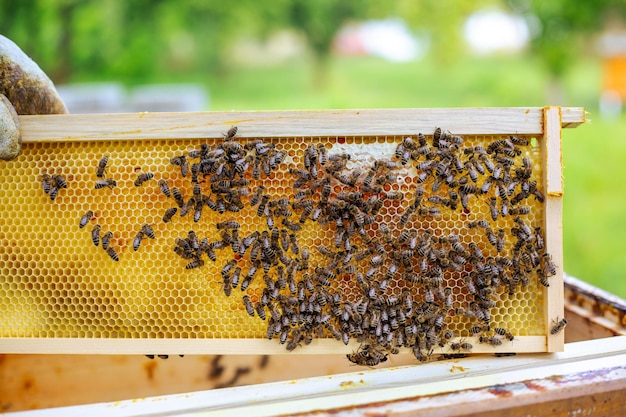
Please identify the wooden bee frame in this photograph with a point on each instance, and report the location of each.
(53, 131)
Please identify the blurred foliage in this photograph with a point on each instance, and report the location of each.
(563, 27)
(145, 39)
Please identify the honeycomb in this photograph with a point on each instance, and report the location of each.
(55, 282)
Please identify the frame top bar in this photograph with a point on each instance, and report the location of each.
(301, 123)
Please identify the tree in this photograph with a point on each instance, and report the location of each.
(563, 28)
(320, 21)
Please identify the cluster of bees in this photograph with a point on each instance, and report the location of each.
(383, 284)
(51, 184)
(302, 296)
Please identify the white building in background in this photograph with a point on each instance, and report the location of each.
(492, 31)
(389, 39)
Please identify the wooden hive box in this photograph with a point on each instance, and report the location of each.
(62, 294)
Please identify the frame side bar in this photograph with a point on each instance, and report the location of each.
(553, 225)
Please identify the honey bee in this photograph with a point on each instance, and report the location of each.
(102, 165)
(490, 340)
(260, 310)
(85, 219)
(558, 326)
(539, 242)
(235, 277)
(461, 346)
(249, 306)
(503, 332)
(478, 223)
(500, 240)
(59, 181)
(476, 330)
(227, 285)
(228, 224)
(178, 197)
(112, 253)
(182, 162)
(169, 213)
(232, 132)
(137, 240)
(164, 187)
(493, 208)
(294, 227)
(197, 263)
(46, 183)
(549, 268)
(148, 231)
(106, 240)
(143, 177)
(109, 183)
(95, 234)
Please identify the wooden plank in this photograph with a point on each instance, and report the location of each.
(573, 117)
(136, 126)
(453, 387)
(227, 346)
(553, 227)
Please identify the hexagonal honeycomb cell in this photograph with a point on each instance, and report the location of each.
(379, 223)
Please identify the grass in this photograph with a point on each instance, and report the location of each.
(595, 177)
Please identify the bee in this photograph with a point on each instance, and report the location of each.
(178, 197)
(58, 182)
(539, 242)
(102, 165)
(235, 277)
(500, 240)
(521, 210)
(182, 162)
(169, 213)
(197, 263)
(137, 240)
(476, 330)
(106, 240)
(227, 286)
(493, 208)
(461, 346)
(490, 340)
(543, 280)
(478, 223)
(143, 177)
(95, 234)
(558, 326)
(85, 219)
(197, 212)
(260, 310)
(164, 187)
(256, 197)
(147, 230)
(294, 227)
(109, 182)
(46, 183)
(549, 268)
(228, 224)
(112, 253)
(249, 306)
(503, 332)
(232, 132)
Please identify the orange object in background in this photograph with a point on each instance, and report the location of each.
(615, 75)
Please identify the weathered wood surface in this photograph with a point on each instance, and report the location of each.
(370, 122)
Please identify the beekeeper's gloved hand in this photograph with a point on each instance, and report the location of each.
(24, 89)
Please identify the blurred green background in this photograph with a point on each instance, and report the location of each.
(299, 54)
